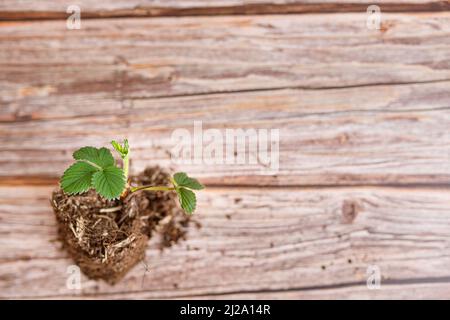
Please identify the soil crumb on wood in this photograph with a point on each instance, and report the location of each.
(106, 238)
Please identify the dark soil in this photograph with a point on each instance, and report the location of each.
(106, 238)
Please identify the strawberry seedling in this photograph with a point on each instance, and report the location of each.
(105, 218)
(97, 169)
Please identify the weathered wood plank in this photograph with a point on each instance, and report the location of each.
(417, 291)
(242, 249)
(95, 92)
(368, 135)
(46, 9)
(117, 59)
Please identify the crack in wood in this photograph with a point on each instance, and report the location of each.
(386, 282)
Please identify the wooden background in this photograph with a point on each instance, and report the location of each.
(364, 119)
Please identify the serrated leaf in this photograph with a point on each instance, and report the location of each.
(188, 200)
(101, 157)
(109, 182)
(183, 180)
(77, 178)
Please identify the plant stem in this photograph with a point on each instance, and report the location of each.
(126, 165)
(151, 188)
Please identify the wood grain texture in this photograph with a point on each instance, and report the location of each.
(242, 249)
(364, 118)
(46, 9)
(370, 135)
(119, 59)
(353, 106)
(403, 291)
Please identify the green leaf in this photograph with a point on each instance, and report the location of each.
(188, 200)
(101, 157)
(183, 180)
(109, 182)
(121, 149)
(116, 146)
(77, 178)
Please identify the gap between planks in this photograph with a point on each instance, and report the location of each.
(48, 181)
(136, 10)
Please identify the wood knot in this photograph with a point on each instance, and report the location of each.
(350, 210)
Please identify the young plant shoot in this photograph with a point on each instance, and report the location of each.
(96, 168)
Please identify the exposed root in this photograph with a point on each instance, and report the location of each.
(113, 209)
